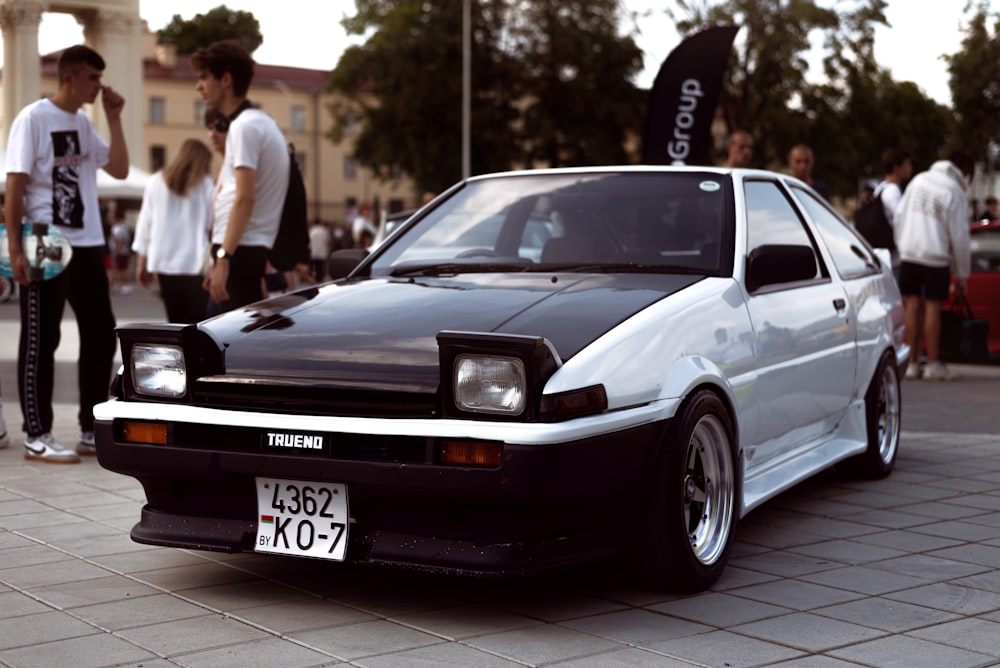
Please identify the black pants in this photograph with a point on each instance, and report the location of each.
(183, 296)
(246, 274)
(84, 284)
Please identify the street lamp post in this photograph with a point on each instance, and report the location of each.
(466, 85)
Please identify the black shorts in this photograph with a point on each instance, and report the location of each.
(918, 280)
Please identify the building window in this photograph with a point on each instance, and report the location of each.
(350, 168)
(298, 119)
(157, 112)
(351, 123)
(157, 158)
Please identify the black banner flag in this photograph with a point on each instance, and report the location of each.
(683, 99)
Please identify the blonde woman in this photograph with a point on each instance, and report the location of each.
(171, 234)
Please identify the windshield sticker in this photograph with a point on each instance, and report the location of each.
(709, 186)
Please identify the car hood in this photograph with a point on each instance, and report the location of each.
(378, 333)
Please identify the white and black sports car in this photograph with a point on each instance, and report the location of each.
(627, 361)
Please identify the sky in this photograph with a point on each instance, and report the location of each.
(307, 33)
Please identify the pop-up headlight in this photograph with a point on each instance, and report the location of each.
(490, 384)
(163, 360)
(159, 370)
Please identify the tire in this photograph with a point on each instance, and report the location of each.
(689, 520)
(883, 417)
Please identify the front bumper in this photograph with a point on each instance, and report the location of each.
(544, 507)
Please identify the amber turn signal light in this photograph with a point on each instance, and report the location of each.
(471, 453)
(154, 433)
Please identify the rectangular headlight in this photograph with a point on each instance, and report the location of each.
(490, 384)
(158, 370)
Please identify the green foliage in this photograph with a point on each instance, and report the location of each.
(217, 24)
(848, 119)
(550, 83)
(975, 84)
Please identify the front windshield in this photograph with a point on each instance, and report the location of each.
(631, 221)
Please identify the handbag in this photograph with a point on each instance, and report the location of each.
(964, 337)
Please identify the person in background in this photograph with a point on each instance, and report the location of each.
(319, 249)
(897, 168)
(171, 234)
(362, 225)
(120, 245)
(932, 235)
(991, 212)
(739, 149)
(800, 160)
(53, 154)
(253, 179)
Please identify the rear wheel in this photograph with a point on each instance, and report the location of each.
(690, 511)
(883, 417)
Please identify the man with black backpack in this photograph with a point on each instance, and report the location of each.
(875, 221)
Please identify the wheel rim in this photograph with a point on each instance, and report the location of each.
(888, 414)
(708, 489)
(6, 288)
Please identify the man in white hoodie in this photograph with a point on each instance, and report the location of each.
(932, 236)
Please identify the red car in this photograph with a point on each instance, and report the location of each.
(983, 286)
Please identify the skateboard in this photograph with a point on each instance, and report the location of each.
(47, 249)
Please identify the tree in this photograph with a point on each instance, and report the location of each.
(581, 105)
(849, 117)
(975, 84)
(217, 24)
(768, 70)
(549, 84)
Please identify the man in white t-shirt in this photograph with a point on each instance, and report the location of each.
(253, 179)
(53, 154)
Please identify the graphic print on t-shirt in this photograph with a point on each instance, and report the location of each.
(67, 205)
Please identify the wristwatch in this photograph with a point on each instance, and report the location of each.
(222, 254)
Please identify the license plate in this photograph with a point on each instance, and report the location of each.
(307, 519)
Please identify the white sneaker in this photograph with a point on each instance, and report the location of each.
(938, 372)
(86, 446)
(912, 372)
(45, 448)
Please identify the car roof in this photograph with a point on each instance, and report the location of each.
(601, 169)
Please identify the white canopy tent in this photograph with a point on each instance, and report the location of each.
(108, 187)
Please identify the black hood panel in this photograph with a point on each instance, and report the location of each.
(381, 333)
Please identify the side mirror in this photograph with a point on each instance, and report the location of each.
(343, 262)
(777, 263)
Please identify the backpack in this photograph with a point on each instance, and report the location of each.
(871, 222)
(291, 246)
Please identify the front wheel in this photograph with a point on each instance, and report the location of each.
(690, 511)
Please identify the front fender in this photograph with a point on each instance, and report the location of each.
(692, 372)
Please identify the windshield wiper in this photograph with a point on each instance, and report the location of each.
(623, 268)
(441, 268)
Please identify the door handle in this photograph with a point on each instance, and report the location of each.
(839, 304)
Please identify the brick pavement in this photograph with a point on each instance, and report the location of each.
(835, 572)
